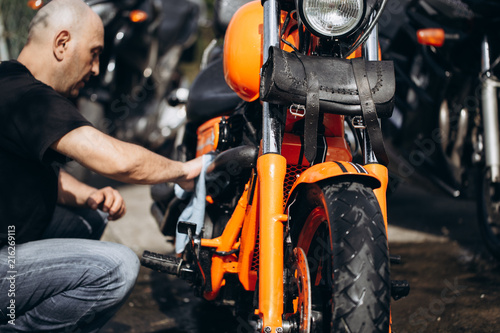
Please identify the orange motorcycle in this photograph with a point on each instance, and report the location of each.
(288, 222)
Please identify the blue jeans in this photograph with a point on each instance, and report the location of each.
(65, 284)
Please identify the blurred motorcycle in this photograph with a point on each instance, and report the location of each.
(145, 40)
(445, 128)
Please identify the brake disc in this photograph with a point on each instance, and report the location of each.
(302, 301)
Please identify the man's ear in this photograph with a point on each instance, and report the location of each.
(61, 44)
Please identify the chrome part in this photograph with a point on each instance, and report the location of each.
(490, 116)
(358, 122)
(457, 150)
(371, 45)
(206, 53)
(369, 29)
(331, 18)
(110, 72)
(297, 110)
(271, 130)
(452, 142)
(316, 320)
(370, 51)
(444, 125)
(258, 325)
(477, 140)
(485, 55)
(289, 326)
(490, 124)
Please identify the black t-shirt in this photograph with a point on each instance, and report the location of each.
(32, 117)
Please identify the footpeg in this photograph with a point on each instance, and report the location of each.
(167, 264)
(399, 289)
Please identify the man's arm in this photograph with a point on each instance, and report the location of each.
(72, 192)
(124, 161)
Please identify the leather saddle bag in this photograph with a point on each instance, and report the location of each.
(325, 84)
(284, 81)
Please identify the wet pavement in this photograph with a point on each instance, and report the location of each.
(455, 284)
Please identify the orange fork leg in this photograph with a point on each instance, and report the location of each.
(271, 169)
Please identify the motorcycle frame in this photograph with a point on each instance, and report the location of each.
(259, 215)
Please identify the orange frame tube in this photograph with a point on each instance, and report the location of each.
(248, 243)
(224, 243)
(271, 170)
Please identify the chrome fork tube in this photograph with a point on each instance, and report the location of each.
(370, 51)
(371, 45)
(490, 114)
(271, 125)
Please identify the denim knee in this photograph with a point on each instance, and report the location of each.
(76, 284)
(127, 268)
(130, 267)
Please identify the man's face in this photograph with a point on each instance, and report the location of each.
(84, 60)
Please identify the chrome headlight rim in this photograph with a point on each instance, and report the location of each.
(320, 31)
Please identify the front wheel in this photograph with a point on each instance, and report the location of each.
(489, 212)
(341, 229)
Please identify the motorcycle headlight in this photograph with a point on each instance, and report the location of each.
(107, 11)
(331, 18)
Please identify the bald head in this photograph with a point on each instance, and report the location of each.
(57, 15)
(64, 42)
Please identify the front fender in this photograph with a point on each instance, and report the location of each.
(337, 169)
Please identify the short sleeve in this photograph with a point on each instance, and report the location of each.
(42, 118)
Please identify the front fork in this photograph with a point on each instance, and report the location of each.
(490, 114)
(271, 168)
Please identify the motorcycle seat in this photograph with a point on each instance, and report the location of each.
(209, 95)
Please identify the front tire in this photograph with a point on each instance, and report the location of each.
(340, 227)
(489, 213)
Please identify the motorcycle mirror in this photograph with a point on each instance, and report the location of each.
(35, 4)
(431, 36)
(138, 16)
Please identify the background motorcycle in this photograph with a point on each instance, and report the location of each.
(444, 131)
(297, 239)
(139, 67)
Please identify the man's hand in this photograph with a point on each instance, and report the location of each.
(109, 201)
(192, 170)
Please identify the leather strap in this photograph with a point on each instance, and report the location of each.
(311, 118)
(369, 110)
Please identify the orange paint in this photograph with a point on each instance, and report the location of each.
(243, 50)
(271, 169)
(249, 248)
(208, 136)
(225, 243)
(382, 175)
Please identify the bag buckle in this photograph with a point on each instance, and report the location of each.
(297, 110)
(358, 122)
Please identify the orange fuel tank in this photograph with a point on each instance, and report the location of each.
(243, 50)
